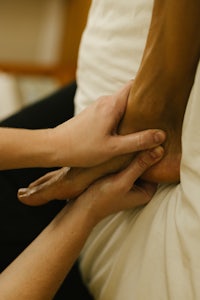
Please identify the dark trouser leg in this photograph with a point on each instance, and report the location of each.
(20, 224)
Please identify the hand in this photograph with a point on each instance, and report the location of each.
(60, 185)
(91, 137)
(120, 191)
(51, 186)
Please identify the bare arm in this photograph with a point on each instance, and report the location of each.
(62, 146)
(162, 86)
(23, 148)
(39, 271)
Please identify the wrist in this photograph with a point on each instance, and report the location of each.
(50, 155)
(58, 146)
(85, 208)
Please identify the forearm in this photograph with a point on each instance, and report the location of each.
(170, 58)
(173, 38)
(21, 148)
(161, 89)
(179, 38)
(39, 271)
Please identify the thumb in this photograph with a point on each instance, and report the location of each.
(138, 141)
(144, 160)
(140, 194)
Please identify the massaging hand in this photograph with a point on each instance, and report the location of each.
(120, 191)
(91, 138)
(62, 184)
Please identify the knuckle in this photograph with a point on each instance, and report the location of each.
(102, 104)
(145, 139)
(120, 184)
(142, 163)
(105, 188)
(114, 146)
(122, 189)
(140, 141)
(114, 185)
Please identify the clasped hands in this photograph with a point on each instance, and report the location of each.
(92, 141)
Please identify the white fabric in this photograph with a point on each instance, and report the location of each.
(111, 47)
(151, 253)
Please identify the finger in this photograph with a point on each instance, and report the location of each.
(121, 99)
(43, 193)
(123, 92)
(34, 196)
(42, 179)
(125, 89)
(138, 166)
(57, 175)
(123, 144)
(139, 195)
(146, 188)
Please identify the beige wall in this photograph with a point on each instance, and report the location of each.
(41, 32)
(30, 30)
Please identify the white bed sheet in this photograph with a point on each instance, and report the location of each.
(154, 253)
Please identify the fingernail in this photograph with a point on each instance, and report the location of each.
(156, 152)
(25, 192)
(22, 191)
(159, 136)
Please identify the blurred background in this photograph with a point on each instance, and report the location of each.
(39, 41)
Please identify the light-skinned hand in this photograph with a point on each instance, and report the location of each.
(57, 184)
(120, 191)
(91, 137)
